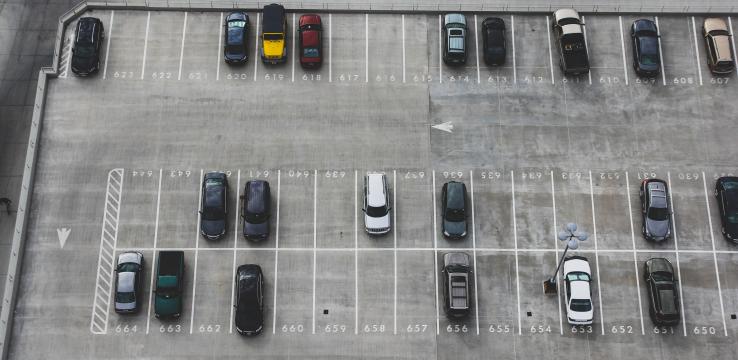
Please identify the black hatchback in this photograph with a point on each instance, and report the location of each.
(249, 317)
(256, 210)
(646, 58)
(236, 38)
(214, 205)
(87, 44)
(726, 193)
(493, 41)
(453, 211)
(663, 293)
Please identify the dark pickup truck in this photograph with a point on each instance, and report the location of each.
(569, 33)
(169, 284)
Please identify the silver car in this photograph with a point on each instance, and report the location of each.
(128, 282)
(376, 205)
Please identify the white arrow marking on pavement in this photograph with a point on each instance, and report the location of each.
(63, 235)
(447, 126)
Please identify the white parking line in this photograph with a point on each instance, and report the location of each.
(479, 79)
(315, 235)
(440, 51)
(181, 50)
(732, 39)
(366, 47)
(356, 252)
(556, 252)
(220, 48)
(256, 47)
(146, 44)
(235, 245)
(153, 253)
(661, 57)
(294, 40)
(696, 49)
(622, 47)
(586, 48)
(714, 253)
(512, 29)
(597, 258)
(197, 247)
(550, 55)
(474, 242)
(330, 47)
(403, 63)
(107, 46)
(435, 249)
(394, 234)
(635, 259)
(676, 248)
(276, 255)
(515, 237)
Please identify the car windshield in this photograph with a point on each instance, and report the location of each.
(455, 215)
(658, 214)
(568, 21)
(661, 276)
(128, 267)
(578, 276)
(84, 50)
(311, 52)
(236, 24)
(212, 214)
(581, 305)
(273, 37)
(256, 218)
(125, 297)
(376, 211)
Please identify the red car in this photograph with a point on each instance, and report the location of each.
(311, 41)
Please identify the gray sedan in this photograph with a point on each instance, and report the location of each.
(128, 282)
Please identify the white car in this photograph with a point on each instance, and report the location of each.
(577, 277)
(376, 204)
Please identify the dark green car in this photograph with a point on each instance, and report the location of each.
(169, 284)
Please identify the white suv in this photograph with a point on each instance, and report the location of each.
(577, 276)
(376, 204)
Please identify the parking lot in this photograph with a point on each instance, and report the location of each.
(123, 154)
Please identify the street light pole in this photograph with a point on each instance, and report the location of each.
(572, 238)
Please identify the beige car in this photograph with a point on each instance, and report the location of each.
(717, 41)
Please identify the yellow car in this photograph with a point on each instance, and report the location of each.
(274, 34)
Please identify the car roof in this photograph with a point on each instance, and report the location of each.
(712, 24)
(256, 193)
(375, 190)
(455, 195)
(456, 258)
(579, 289)
(214, 196)
(454, 19)
(577, 264)
(126, 281)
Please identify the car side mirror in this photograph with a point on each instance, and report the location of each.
(363, 209)
(389, 208)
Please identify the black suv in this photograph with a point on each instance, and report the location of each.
(456, 284)
(236, 38)
(86, 48)
(655, 210)
(214, 205)
(454, 39)
(493, 41)
(249, 304)
(663, 294)
(256, 210)
(453, 210)
(726, 193)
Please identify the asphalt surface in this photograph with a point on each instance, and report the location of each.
(125, 150)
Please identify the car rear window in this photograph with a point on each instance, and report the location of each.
(311, 53)
(578, 276)
(668, 305)
(273, 37)
(581, 305)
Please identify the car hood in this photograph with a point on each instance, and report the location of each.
(454, 228)
(213, 227)
(657, 228)
(251, 229)
(377, 222)
(273, 47)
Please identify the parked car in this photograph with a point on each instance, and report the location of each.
(663, 294)
(726, 193)
(236, 38)
(493, 41)
(274, 34)
(169, 284)
(646, 57)
(88, 40)
(256, 212)
(376, 205)
(655, 209)
(454, 39)
(128, 282)
(214, 208)
(577, 278)
(569, 35)
(457, 284)
(717, 41)
(311, 41)
(453, 209)
(249, 317)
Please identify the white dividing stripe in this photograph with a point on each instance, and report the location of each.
(622, 47)
(512, 30)
(435, 249)
(597, 258)
(356, 252)
(146, 44)
(403, 66)
(517, 266)
(276, 255)
(330, 47)
(366, 47)
(153, 253)
(550, 54)
(197, 252)
(732, 39)
(714, 253)
(294, 36)
(394, 253)
(556, 252)
(676, 250)
(315, 235)
(635, 258)
(181, 49)
(107, 46)
(479, 79)
(696, 49)
(661, 54)
(231, 319)
(586, 48)
(440, 51)
(474, 244)
(220, 48)
(256, 44)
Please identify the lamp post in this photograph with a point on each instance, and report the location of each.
(572, 237)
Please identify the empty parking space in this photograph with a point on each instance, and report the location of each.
(533, 209)
(539, 314)
(200, 55)
(574, 204)
(337, 209)
(702, 303)
(349, 54)
(678, 48)
(212, 299)
(376, 292)
(137, 224)
(493, 212)
(726, 265)
(612, 202)
(413, 206)
(179, 206)
(419, 53)
(297, 208)
(621, 299)
(385, 48)
(606, 49)
(335, 293)
(164, 43)
(127, 40)
(533, 51)
(497, 293)
(690, 211)
(416, 306)
(293, 299)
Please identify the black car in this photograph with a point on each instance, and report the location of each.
(493, 41)
(214, 205)
(236, 38)
(457, 284)
(87, 44)
(454, 39)
(726, 193)
(256, 210)
(453, 211)
(663, 293)
(249, 318)
(646, 58)
(655, 210)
